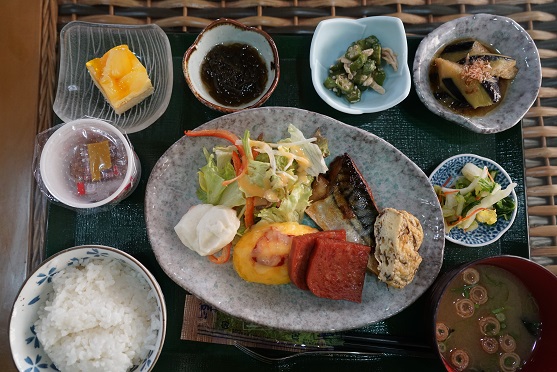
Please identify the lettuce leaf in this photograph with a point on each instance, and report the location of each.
(311, 150)
(291, 208)
(211, 190)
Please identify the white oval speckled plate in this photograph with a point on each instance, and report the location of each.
(395, 180)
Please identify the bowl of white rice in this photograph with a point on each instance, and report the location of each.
(88, 308)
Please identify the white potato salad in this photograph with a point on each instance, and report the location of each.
(207, 228)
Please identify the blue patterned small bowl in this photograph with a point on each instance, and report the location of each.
(484, 234)
(27, 351)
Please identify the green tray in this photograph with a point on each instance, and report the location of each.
(422, 136)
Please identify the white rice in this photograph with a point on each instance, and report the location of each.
(101, 316)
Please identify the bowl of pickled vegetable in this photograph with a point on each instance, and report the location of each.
(360, 66)
(481, 72)
(477, 198)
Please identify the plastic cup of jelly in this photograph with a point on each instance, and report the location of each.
(88, 163)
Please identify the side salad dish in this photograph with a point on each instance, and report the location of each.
(250, 181)
(474, 198)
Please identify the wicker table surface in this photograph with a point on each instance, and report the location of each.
(538, 17)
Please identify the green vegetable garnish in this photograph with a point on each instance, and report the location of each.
(360, 68)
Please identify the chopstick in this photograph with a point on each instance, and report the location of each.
(385, 344)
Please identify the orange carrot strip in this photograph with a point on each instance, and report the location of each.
(447, 181)
(250, 211)
(460, 218)
(224, 255)
(489, 175)
(451, 192)
(229, 136)
(219, 133)
(237, 162)
(228, 182)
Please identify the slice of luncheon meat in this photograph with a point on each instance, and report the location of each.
(337, 269)
(300, 252)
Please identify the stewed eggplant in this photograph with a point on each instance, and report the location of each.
(459, 50)
(471, 78)
(476, 93)
(503, 67)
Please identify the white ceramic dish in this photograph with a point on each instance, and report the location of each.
(171, 191)
(224, 32)
(331, 39)
(450, 169)
(27, 351)
(502, 34)
(77, 96)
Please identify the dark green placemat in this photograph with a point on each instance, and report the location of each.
(422, 136)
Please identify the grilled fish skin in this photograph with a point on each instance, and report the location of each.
(347, 204)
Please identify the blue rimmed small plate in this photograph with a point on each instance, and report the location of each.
(485, 234)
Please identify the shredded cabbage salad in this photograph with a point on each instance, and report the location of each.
(475, 198)
(275, 187)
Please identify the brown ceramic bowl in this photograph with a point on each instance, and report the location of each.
(539, 282)
(227, 32)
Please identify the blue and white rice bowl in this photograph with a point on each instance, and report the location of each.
(450, 169)
(28, 352)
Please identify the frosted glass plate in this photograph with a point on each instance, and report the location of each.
(77, 96)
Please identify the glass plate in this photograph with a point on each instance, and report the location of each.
(77, 96)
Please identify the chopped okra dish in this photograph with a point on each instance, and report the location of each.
(360, 68)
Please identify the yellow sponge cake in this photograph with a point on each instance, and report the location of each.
(122, 79)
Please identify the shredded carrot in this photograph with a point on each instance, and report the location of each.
(489, 175)
(229, 136)
(250, 211)
(447, 181)
(219, 133)
(224, 255)
(460, 218)
(451, 191)
(237, 162)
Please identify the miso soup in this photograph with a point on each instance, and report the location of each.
(487, 321)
